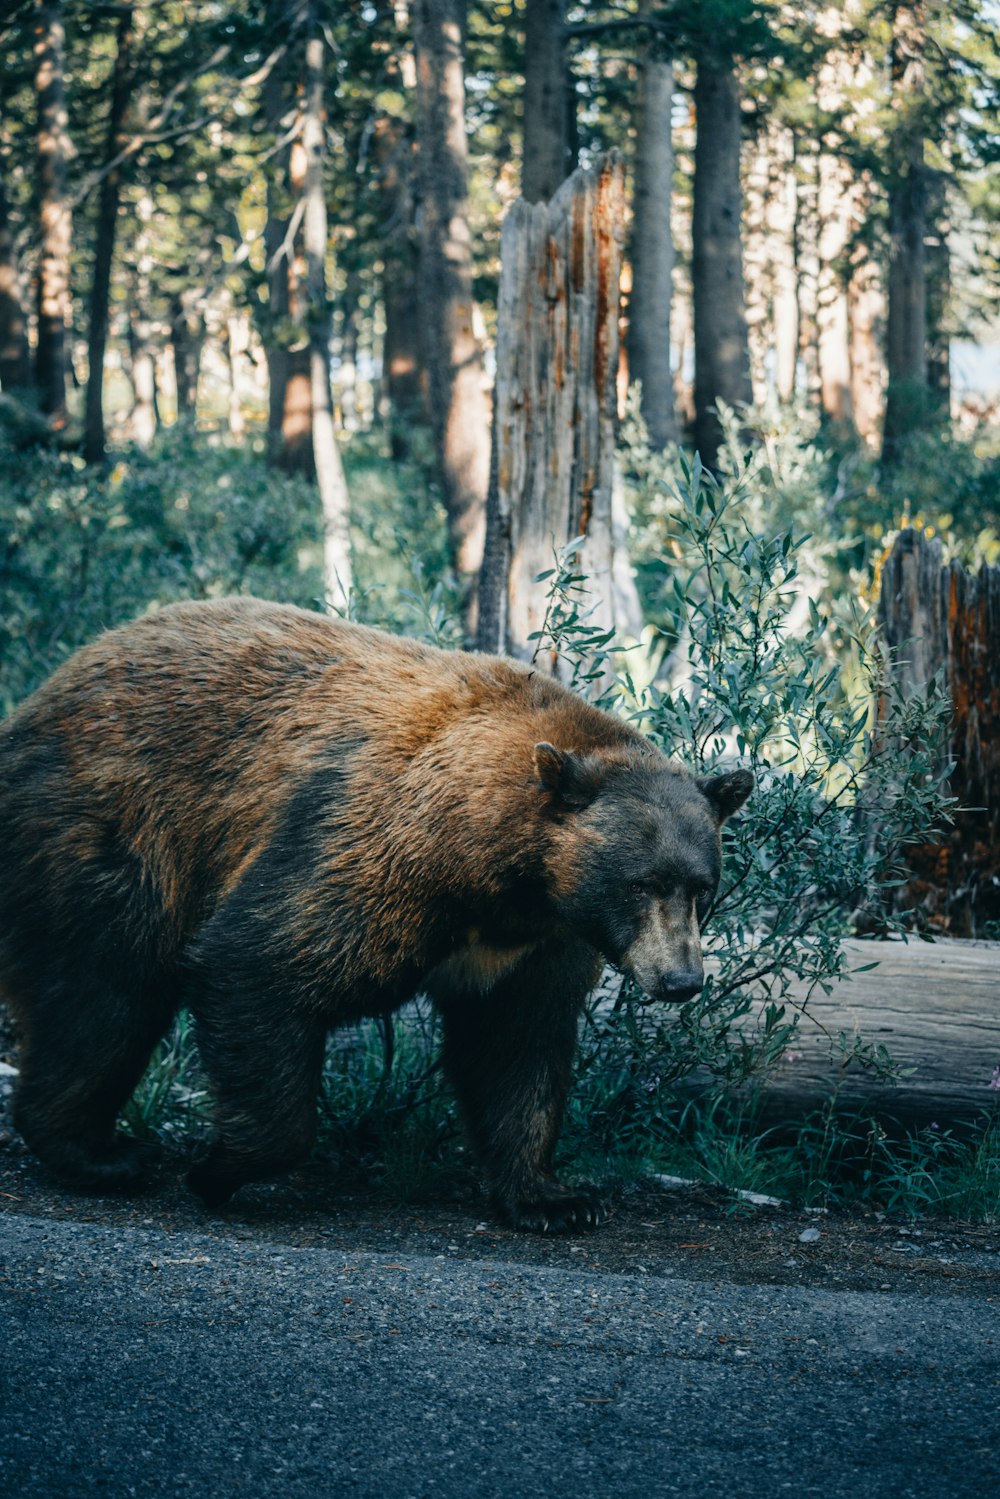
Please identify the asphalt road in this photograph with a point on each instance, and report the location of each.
(139, 1362)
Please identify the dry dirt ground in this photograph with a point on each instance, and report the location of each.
(698, 1232)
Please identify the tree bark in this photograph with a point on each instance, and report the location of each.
(652, 245)
(187, 337)
(721, 351)
(401, 364)
(15, 368)
(348, 343)
(783, 229)
(104, 247)
(54, 213)
(933, 1005)
(289, 424)
(832, 326)
(836, 189)
(937, 259)
(144, 415)
(555, 411)
(546, 161)
(866, 311)
(807, 270)
(906, 331)
(235, 346)
(326, 455)
(757, 175)
(940, 618)
(459, 407)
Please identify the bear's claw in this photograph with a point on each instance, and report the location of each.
(566, 1210)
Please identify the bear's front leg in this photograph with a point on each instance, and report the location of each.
(263, 1063)
(509, 1056)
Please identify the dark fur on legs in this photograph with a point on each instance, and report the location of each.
(73, 1085)
(264, 1066)
(510, 1060)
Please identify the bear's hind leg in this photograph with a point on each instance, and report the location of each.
(509, 1057)
(264, 1068)
(76, 1078)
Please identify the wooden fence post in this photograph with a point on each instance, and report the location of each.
(937, 616)
(555, 409)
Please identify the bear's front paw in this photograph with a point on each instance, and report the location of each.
(211, 1183)
(120, 1166)
(558, 1210)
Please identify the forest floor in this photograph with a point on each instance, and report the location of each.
(699, 1231)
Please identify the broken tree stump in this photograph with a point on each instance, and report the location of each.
(938, 617)
(555, 410)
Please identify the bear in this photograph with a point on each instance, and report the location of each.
(284, 822)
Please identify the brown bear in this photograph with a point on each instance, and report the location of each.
(285, 822)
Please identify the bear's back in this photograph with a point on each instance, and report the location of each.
(182, 737)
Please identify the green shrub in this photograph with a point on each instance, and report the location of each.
(82, 550)
(745, 664)
(745, 672)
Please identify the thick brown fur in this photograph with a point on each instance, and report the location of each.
(286, 822)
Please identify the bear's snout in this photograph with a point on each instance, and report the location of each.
(678, 985)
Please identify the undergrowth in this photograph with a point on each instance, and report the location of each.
(746, 665)
(389, 1123)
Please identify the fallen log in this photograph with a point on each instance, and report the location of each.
(934, 1006)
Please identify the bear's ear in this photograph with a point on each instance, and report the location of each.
(572, 780)
(727, 793)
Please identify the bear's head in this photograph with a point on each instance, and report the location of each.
(635, 857)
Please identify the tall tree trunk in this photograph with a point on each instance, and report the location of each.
(832, 335)
(104, 248)
(866, 314)
(54, 213)
(556, 411)
(758, 187)
(235, 348)
(289, 400)
(835, 191)
(347, 345)
(938, 266)
(682, 340)
(15, 372)
(906, 335)
(326, 455)
(143, 360)
(783, 234)
(301, 420)
(906, 331)
(545, 160)
(401, 368)
(652, 245)
(145, 412)
(807, 268)
(866, 305)
(721, 351)
(187, 337)
(459, 407)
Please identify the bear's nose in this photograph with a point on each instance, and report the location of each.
(679, 984)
